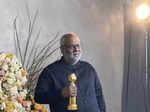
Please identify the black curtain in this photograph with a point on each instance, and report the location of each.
(135, 95)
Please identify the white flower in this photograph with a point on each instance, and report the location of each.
(18, 74)
(11, 80)
(12, 69)
(10, 75)
(14, 90)
(17, 105)
(15, 110)
(2, 106)
(2, 56)
(5, 67)
(14, 61)
(0, 86)
(7, 86)
(13, 98)
(8, 59)
(24, 80)
(18, 83)
(23, 93)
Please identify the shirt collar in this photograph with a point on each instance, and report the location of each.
(62, 61)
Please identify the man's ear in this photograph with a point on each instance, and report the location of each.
(62, 49)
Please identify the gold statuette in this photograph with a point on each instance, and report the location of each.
(72, 100)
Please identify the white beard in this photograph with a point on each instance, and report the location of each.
(72, 58)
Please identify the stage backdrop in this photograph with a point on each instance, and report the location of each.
(99, 24)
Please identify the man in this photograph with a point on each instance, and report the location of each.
(53, 87)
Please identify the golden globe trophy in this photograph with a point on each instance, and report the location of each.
(72, 100)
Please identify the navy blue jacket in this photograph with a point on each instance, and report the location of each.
(55, 77)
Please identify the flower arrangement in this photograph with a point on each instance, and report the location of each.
(14, 95)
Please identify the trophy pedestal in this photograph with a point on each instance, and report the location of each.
(72, 107)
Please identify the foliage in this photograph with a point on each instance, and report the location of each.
(32, 57)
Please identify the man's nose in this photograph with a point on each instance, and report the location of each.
(76, 49)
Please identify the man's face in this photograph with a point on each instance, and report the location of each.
(71, 50)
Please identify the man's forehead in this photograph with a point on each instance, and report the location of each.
(73, 39)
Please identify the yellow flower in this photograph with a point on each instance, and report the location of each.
(43, 109)
(24, 73)
(9, 106)
(37, 106)
(10, 55)
(34, 111)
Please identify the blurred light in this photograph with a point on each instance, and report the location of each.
(143, 11)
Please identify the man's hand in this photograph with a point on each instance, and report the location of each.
(69, 91)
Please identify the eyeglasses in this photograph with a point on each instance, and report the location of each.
(73, 46)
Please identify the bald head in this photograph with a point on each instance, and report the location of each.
(69, 38)
(70, 48)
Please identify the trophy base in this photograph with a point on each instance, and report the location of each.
(72, 107)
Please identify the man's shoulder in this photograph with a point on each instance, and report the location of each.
(53, 65)
(86, 64)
